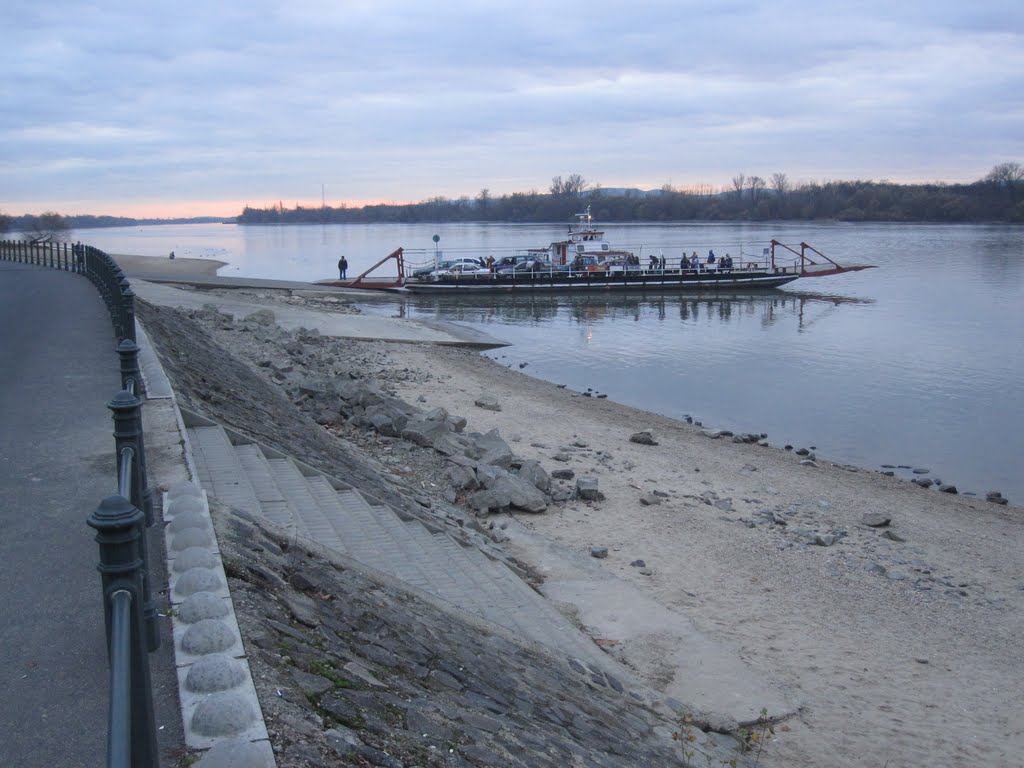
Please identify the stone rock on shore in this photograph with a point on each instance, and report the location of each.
(462, 478)
(643, 438)
(423, 431)
(505, 491)
(533, 473)
(361, 392)
(490, 448)
(487, 402)
(387, 418)
(586, 489)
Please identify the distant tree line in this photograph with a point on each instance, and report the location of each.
(999, 197)
(54, 227)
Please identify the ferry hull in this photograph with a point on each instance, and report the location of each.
(597, 281)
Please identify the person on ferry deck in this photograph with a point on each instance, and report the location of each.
(711, 257)
(695, 261)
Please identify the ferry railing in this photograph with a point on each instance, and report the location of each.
(549, 271)
(552, 272)
(120, 520)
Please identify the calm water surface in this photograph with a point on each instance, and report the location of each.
(917, 362)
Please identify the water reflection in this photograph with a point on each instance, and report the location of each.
(1002, 253)
(768, 307)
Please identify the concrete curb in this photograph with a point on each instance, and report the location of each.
(220, 710)
(218, 698)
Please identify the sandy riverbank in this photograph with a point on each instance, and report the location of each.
(898, 652)
(161, 266)
(899, 644)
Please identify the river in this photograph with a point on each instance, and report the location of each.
(917, 363)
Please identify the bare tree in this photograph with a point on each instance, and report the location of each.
(484, 199)
(780, 183)
(48, 227)
(574, 186)
(738, 183)
(756, 186)
(1006, 174)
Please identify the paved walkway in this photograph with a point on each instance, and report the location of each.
(58, 370)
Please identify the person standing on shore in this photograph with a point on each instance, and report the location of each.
(342, 268)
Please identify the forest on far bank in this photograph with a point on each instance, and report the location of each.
(999, 197)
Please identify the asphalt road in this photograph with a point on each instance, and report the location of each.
(58, 370)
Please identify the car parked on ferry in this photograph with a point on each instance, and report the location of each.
(441, 266)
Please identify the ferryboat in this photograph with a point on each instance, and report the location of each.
(584, 261)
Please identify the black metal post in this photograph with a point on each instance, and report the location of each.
(128, 312)
(128, 351)
(127, 417)
(128, 433)
(120, 534)
(119, 710)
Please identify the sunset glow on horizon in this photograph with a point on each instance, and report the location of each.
(183, 209)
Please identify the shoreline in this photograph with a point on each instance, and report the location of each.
(897, 641)
(904, 472)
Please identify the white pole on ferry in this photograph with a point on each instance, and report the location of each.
(437, 256)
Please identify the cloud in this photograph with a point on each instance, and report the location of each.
(122, 103)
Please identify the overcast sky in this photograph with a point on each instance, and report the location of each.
(160, 108)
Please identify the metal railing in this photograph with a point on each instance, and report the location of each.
(120, 520)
